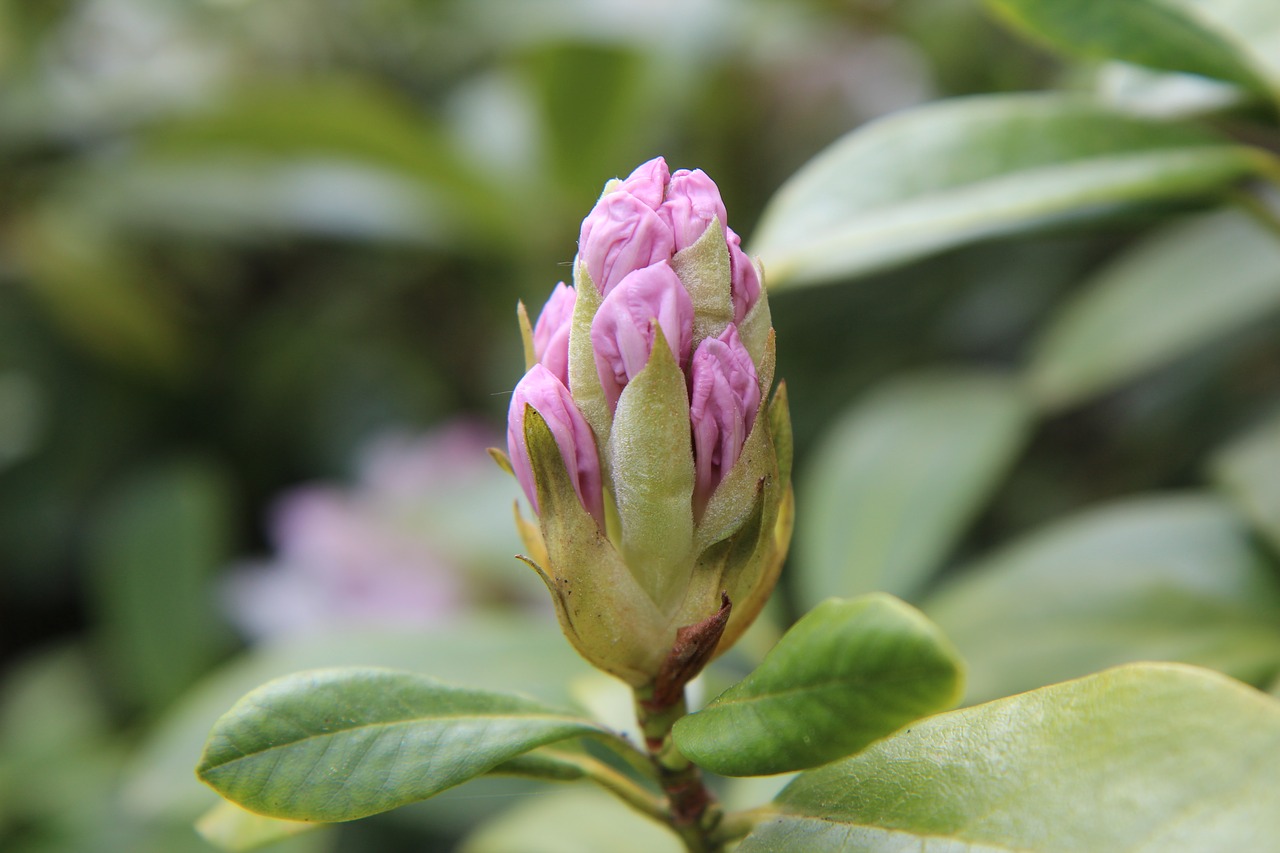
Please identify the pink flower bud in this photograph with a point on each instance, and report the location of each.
(620, 235)
(745, 286)
(648, 182)
(550, 398)
(551, 334)
(692, 202)
(622, 332)
(723, 402)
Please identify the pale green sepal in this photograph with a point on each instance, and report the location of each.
(607, 616)
(766, 365)
(755, 327)
(753, 582)
(526, 336)
(651, 452)
(584, 380)
(504, 461)
(780, 426)
(704, 269)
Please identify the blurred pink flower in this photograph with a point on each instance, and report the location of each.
(370, 554)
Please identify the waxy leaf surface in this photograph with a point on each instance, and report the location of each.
(341, 744)
(1142, 758)
(927, 179)
(1248, 470)
(897, 479)
(846, 674)
(1179, 289)
(1237, 41)
(1159, 578)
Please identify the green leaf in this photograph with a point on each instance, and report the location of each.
(155, 546)
(1248, 470)
(896, 480)
(1172, 35)
(1140, 758)
(948, 173)
(333, 745)
(98, 291)
(1179, 289)
(1157, 578)
(513, 652)
(231, 828)
(576, 820)
(846, 674)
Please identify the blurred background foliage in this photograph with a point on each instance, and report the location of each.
(246, 244)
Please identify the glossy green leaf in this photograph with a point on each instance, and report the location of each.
(948, 173)
(1172, 35)
(1139, 758)
(157, 543)
(331, 121)
(897, 479)
(1248, 470)
(849, 672)
(1184, 286)
(1157, 578)
(514, 652)
(575, 820)
(339, 744)
(231, 828)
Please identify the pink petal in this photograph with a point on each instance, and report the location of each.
(692, 202)
(620, 235)
(550, 398)
(551, 333)
(622, 332)
(724, 400)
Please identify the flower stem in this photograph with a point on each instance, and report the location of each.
(693, 812)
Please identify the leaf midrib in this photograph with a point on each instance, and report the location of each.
(391, 724)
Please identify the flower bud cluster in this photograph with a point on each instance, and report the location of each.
(659, 480)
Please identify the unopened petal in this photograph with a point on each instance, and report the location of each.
(551, 334)
(620, 235)
(648, 182)
(724, 400)
(745, 286)
(548, 396)
(622, 332)
(693, 202)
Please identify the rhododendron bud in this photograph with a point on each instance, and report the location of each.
(622, 234)
(551, 334)
(659, 477)
(622, 331)
(693, 202)
(745, 279)
(547, 395)
(723, 401)
(648, 182)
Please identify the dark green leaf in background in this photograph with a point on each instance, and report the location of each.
(1179, 289)
(896, 480)
(1157, 578)
(340, 744)
(1170, 35)
(846, 674)
(1248, 470)
(1140, 758)
(948, 173)
(156, 545)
